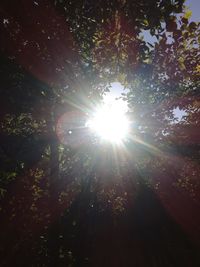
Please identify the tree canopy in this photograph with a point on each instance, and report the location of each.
(66, 198)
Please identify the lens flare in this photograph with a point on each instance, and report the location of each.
(109, 121)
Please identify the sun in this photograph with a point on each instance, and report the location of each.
(109, 120)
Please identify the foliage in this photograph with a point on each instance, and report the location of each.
(65, 197)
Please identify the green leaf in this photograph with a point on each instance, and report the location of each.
(188, 14)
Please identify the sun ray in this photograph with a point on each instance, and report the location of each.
(109, 121)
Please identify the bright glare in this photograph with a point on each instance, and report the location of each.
(110, 121)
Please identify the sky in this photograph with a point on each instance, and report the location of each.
(194, 6)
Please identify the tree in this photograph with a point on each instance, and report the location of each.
(51, 77)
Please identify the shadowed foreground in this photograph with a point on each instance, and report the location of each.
(143, 235)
